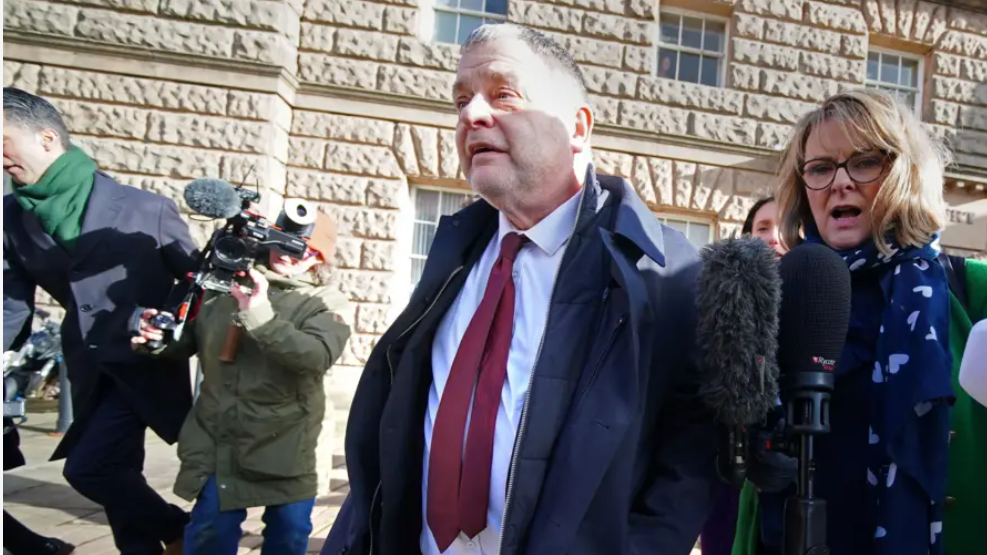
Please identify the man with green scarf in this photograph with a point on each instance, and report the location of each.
(100, 250)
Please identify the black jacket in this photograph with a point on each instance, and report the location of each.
(132, 248)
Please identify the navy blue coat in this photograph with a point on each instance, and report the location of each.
(615, 454)
(132, 248)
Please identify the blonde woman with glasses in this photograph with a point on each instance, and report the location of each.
(862, 176)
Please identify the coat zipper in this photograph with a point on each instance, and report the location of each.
(531, 380)
(373, 502)
(390, 364)
(390, 367)
(603, 355)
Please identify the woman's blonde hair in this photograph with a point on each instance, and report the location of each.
(910, 201)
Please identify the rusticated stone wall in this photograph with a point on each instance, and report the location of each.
(345, 102)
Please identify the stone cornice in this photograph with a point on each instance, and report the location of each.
(79, 53)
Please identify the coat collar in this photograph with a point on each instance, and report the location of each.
(635, 224)
(634, 220)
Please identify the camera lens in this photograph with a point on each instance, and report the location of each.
(230, 249)
(301, 210)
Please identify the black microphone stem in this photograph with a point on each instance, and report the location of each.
(805, 514)
(805, 477)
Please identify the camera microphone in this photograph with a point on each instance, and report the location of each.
(739, 294)
(213, 197)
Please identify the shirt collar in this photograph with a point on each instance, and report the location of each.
(552, 232)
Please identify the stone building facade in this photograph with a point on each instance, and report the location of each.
(346, 103)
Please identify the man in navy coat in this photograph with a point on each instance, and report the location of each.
(538, 395)
(100, 250)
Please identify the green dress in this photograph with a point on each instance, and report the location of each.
(966, 487)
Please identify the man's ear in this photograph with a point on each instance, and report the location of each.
(50, 140)
(583, 129)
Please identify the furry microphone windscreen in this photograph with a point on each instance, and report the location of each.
(739, 296)
(213, 197)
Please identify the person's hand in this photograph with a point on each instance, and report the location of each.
(247, 298)
(9, 357)
(147, 331)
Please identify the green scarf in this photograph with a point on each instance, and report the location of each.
(59, 198)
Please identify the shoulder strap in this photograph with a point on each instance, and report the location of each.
(955, 267)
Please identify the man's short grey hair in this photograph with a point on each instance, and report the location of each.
(547, 48)
(33, 112)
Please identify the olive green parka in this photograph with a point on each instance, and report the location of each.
(257, 419)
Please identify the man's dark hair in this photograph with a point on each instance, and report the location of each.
(749, 222)
(31, 111)
(547, 48)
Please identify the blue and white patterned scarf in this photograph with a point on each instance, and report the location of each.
(910, 396)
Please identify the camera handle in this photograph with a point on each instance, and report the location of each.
(232, 343)
(808, 416)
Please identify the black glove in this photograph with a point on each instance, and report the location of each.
(770, 470)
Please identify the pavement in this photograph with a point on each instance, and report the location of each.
(38, 496)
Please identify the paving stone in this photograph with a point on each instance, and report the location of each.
(38, 496)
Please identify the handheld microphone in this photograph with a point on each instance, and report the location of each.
(214, 198)
(739, 292)
(815, 315)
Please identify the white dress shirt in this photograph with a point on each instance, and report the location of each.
(534, 274)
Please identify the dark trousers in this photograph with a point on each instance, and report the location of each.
(20, 540)
(721, 525)
(107, 465)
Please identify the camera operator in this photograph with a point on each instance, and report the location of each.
(100, 250)
(250, 439)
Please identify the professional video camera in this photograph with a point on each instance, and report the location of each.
(246, 236)
(300, 230)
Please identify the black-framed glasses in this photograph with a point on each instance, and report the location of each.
(819, 173)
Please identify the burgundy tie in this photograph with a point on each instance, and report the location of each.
(458, 478)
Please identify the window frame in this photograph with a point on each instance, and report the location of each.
(902, 55)
(721, 74)
(710, 222)
(430, 7)
(414, 190)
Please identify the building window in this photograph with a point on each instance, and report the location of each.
(430, 206)
(699, 232)
(456, 19)
(691, 48)
(896, 73)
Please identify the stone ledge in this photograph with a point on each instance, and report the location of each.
(132, 60)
